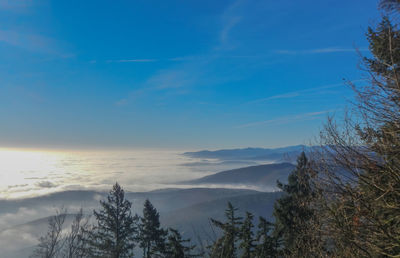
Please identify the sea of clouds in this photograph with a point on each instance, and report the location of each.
(31, 173)
(27, 175)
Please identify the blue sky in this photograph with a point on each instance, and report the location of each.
(176, 74)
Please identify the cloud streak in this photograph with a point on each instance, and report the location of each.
(229, 20)
(15, 4)
(327, 50)
(229, 25)
(133, 61)
(31, 42)
(287, 119)
(294, 94)
(191, 70)
(172, 79)
(305, 92)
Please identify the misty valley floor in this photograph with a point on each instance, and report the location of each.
(186, 207)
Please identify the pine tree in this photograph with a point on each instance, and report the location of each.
(247, 236)
(390, 5)
(294, 214)
(380, 183)
(365, 218)
(225, 246)
(176, 247)
(151, 235)
(115, 232)
(266, 243)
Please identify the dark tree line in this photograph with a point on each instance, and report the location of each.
(115, 233)
(292, 233)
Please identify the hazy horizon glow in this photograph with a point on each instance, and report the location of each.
(32, 173)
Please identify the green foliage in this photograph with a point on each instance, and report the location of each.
(384, 45)
(116, 230)
(225, 246)
(365, 215)
(294, 212)
(247, 245)
(176, 247)
(267, 244)
(390, 5)
(238, 237)
(151, 235)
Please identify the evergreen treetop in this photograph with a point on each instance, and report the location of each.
(177, 247)
(225, 246)
(116, 230)
(247, 236)
(151, 235)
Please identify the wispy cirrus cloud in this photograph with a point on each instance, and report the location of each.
(294, 94)
(288, 119)
(319, 51)
(190, 70)
(230, 18)
(228, 26)
(26, 41)
(175, 80)
(15, 4)
(172, 79)
(121, 102)
(32, 42)
(146, 60)
(306, 92)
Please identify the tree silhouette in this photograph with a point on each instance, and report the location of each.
(225, 246)
(151, 235)
(116, 229)
(247, 236)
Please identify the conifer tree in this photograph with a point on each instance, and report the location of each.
(390, 5)
(176, 247)
(225, 246)
(247, 236)
(266, 243)
(151, 235)
(116, 229)
(294, 214)
(365, 214)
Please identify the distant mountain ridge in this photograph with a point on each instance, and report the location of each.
(288, 154)
(261, 175)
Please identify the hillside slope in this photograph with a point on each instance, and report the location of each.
(261, 175)
(287, 154)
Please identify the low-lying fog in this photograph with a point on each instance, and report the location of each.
(26, 176)
(32, 173)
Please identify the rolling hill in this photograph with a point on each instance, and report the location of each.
(285, 154)
(261, 175)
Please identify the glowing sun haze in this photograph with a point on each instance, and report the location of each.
(27, 173)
